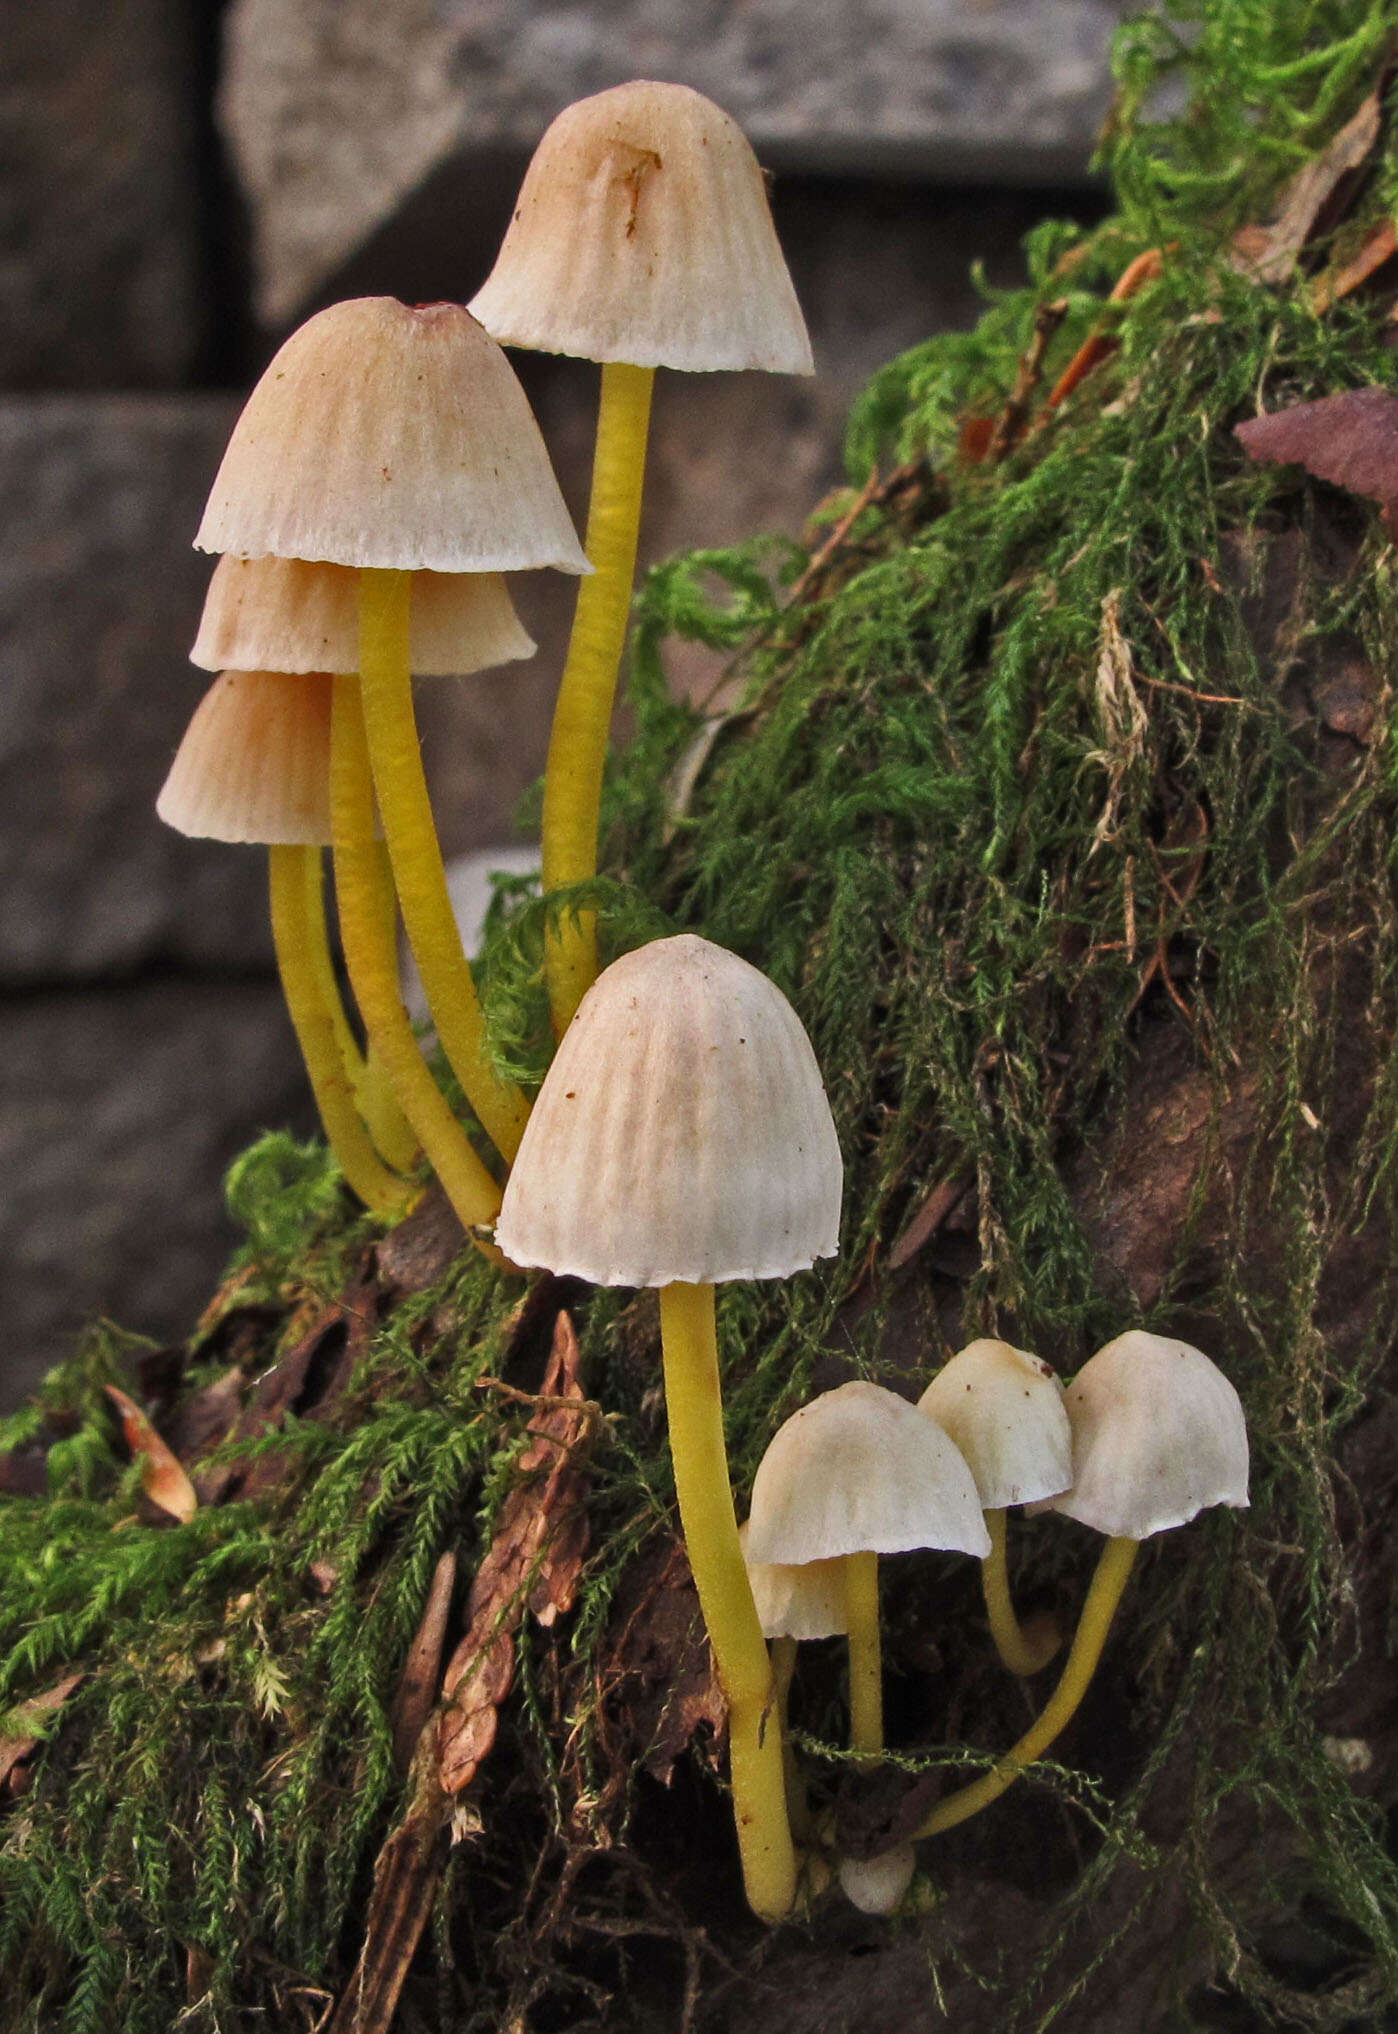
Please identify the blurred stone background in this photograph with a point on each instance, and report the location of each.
(181, 181)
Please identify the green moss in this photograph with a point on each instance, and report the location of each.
(955, 843)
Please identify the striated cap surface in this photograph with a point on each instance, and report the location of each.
(642, 232)
(395, 437)
(859, 1470)
(682, 1131)
(287, 614)
(1004, 1410)
(1158, 1435)
(805, 1602)
(254, 764)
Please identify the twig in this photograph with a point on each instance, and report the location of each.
(1009, 426)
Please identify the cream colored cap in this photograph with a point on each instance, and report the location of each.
(394, 437)
(286, 614)
(254, 764)
(1158, 1435)
(643, 233)
(859, 1470)
(806, 1602)
(682, 1132)
(878, 1885)
(1004, 1410)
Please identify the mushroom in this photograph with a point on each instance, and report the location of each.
(794, 1603)
(858, 1473)
(682, 1137)
(642, 238)
(1004, 1410)
(254, 766)
(1158, 1436)
(394, 441)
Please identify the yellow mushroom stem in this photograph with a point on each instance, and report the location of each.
(321, 1027)
(371, 955)
(379, 1106)
(395, 755)
(582, 715)
(861, 1576)
(1023, 1649)
(690, 1345)
(1113, 1574)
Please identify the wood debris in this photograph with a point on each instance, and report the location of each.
(162, 1478)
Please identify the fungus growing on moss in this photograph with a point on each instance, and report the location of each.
(682, 1137)
(858, 1473)
(642, 238)
(396, 440)
(1158, 1436)
(1004, 1410)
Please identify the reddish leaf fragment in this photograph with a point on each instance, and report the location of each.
(1267, 252)
(23, 1738)
(1350, 439)
(162, 1479)
(1380, 246)
(532, 1563)
(417, 1691)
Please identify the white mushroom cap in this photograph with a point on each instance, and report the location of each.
(806, 1602)
(391, 437)
(1158, 1435)
(643, 233)
(859, 1470)
(1004, 1410)
(254, 764)
(287, 614)
(682, 1131)
(878, 1885)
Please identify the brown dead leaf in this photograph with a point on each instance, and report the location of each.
(927, 1218)
(307, 1381)
(1349, 439)
(417, 1690)
(1267, 252)
(1380, 245)
(532, 1564)
(418, 1252)
(23, 1739)
(162, 1479)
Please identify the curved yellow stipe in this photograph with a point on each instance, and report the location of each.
(861, 1576)
(798, 1808)
(388, 1126)
(695, 1411)
(1023, 1652)
(411, 837)
(298, 933)
(582, 716)
(1113, 1574)
(371, 956)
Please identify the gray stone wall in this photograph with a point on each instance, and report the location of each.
(353, 146)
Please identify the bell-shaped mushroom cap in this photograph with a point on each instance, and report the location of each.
(1004, 1410)
(254, 764)
(392, 437)
(806, 1602)
(682, 1132)
(857, 1471)
(286, 614)
(1158, 1435)
(643, 233)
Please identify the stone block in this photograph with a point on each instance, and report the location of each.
(99, 205)
(335, 110)
(122, 1109)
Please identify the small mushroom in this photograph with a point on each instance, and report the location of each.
(681, 1137)
(254, 766)
(642, 238)
(804, 1602)
(393, 441)
(1158, 1436)
(858, 1473)
(1004, 1410)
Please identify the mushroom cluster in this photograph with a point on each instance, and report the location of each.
(383, 477)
